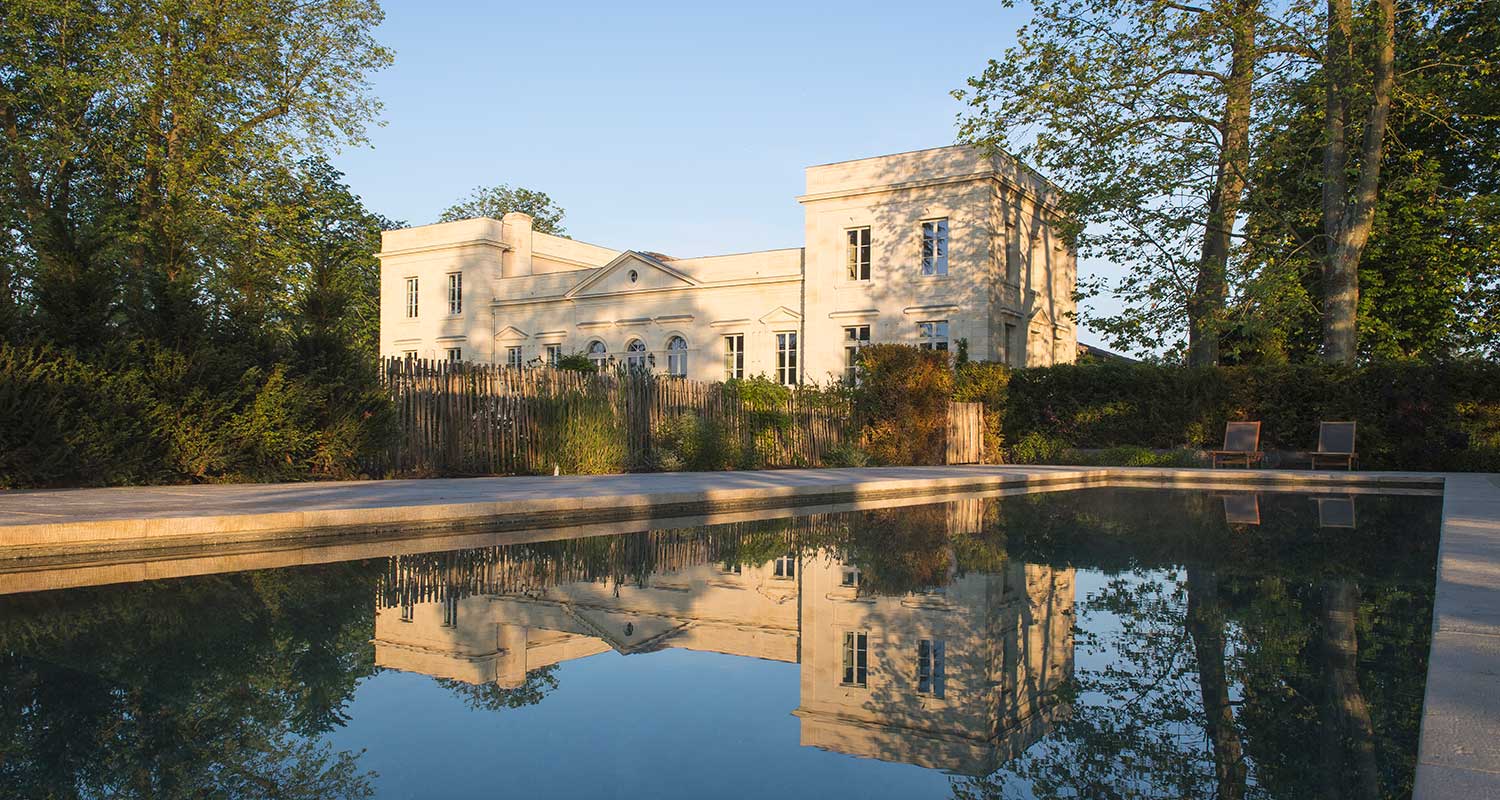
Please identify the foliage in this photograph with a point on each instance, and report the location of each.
(689, 441)
(582, 434)
(1411, 416)
(988, 383)
(902, 395)
(497, 201)
(577, 362)
(147, 415)
(846, 454)
(189, 289)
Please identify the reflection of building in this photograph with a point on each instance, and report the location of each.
(933, 247)
(956, 679)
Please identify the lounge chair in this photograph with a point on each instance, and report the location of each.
(1241, 443)
(1335, 445)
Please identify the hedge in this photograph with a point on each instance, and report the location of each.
(1411, 416)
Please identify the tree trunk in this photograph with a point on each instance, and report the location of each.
(1206, 307)
(1205, 623)
(1341, 656)
(1347, 219)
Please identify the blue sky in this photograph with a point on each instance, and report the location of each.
(680, 127)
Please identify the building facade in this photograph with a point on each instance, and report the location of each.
(947, 248)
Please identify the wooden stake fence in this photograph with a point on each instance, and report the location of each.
(455, 418)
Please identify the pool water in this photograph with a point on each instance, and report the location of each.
(1092, 643)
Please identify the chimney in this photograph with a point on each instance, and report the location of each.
(516, 228)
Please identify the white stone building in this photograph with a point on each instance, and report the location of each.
(941, 248)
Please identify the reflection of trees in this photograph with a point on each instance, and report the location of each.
(494, 697)
(215, 686)
(1272, 661)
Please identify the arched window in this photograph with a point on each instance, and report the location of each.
(635, 354)
(598, 353)
(677, 353)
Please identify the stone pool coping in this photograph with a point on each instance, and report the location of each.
(1459, 750)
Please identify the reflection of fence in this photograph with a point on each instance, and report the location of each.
(470, 419)
(965, 433)
(532, 568)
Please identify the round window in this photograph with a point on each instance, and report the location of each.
(634, 275)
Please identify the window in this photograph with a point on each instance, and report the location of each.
(930, 677)
(1013, 258)
(731, 569)
(786, 567)
(635, 354)
(411, 298)
(553, 354)
(933, 335)
(855, 338)
(677, 353)
(455, 354)
(409, 355)
(408, 610)
(786, 358)
(450, 611)
(858, 254)
(455, 293)
(849, 577)
(734, 356)
(598, 353)
(1012, 354)
(856, 658)
(935, 247)
(513, 357)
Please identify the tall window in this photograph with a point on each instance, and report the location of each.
(553, 354)
(411, 298)
(455, 293)
(1012, 257)
(1013, 347)
(455, 354)
(734, 356)
(856, 658)
(635, 354)
(849, 577)
(930, 677)
(450, 611)
(856, 338)
(677, 353)
(786, 358)
(858, 254)
(409, 355)
(933, 335)
(935, 247)
(786, 567)
(598, 353)
(513, 357)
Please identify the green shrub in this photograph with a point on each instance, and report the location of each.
(1411, 416)
(846, 454)
(988, 383)
(581, 434)
(902, 400)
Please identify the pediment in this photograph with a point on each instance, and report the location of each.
(511, 333)
(616, 277)
(781, 314)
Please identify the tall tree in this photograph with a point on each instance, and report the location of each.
(1142, 110)
(1353, 65)
(125, 127)
(498, 200)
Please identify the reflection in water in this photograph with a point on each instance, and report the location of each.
(1081, 644)
(957, 675)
